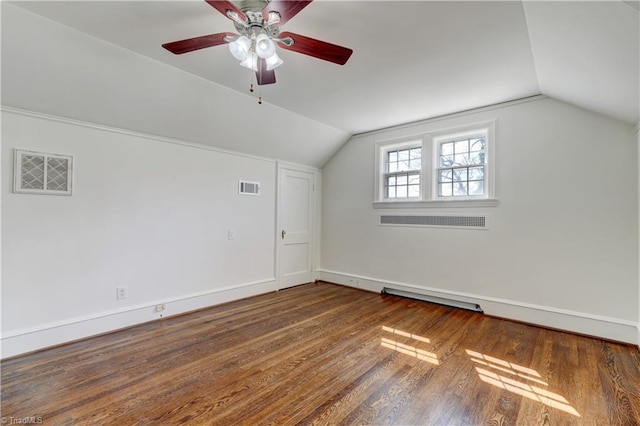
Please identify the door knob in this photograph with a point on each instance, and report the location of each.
(283, 233)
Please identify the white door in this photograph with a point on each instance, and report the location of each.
(295, 233)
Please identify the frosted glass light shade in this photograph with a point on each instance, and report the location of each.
(273, 62)
(265, 47)
(251, 61)
(240, 48)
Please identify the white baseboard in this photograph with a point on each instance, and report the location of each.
(51, 334)
(577, 322)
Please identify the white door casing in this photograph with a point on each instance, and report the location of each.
(295, 231)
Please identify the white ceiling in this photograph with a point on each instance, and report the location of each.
(586, 53)
(412, 60)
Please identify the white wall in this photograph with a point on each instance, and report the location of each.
(562, 249)
(146, 213)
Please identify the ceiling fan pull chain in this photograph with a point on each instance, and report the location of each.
(259, 84)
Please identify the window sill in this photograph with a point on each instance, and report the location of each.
(478, 202)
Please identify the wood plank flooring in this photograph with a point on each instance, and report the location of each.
(326, 354)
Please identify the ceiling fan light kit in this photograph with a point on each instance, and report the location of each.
(258, 24)
(251, 61)
(265, 47)
(273, 62)
(240, 47)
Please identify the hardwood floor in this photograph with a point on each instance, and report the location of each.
(326, 354)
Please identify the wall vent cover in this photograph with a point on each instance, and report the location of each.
(477, 222)
(249, 188)
(41, 173)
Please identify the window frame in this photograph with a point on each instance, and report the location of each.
(430, 143)
(384, 154)
(439, 140)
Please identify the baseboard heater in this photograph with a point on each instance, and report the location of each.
(433, 299)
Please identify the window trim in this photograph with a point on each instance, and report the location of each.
(382, 148)
(428, 190)
(438, 138)
(382, 152)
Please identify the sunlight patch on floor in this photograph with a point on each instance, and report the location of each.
(413, 351)
(405, 334)
(514, 383)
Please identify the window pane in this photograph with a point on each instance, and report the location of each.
(391, 192)
(445, 175)
(476, 188)
(459, 188)
(476, 173)
(446, 160)
(461, 159)
(444, 190)
(462, 146)
(460, 175)
(477, 144)
(477, 158)
(402, 172)
(446, 148)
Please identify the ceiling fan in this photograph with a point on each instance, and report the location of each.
(258, 24)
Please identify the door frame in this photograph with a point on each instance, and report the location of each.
(315, 217)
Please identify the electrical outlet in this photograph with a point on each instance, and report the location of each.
(121, 293)
(160, 308)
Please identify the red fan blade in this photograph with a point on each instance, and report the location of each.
(262, 75)
(222, 6)
(316, 48)
(191, 44)
(286, 8)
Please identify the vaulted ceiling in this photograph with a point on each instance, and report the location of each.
(412, 60)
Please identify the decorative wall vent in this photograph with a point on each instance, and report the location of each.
(249, 188)
(478, 222)
(41, 173)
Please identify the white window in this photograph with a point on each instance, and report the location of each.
(460, 165)
(454, 165)
(403, 170)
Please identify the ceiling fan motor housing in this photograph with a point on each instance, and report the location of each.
(252, 5)
(255, 24)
